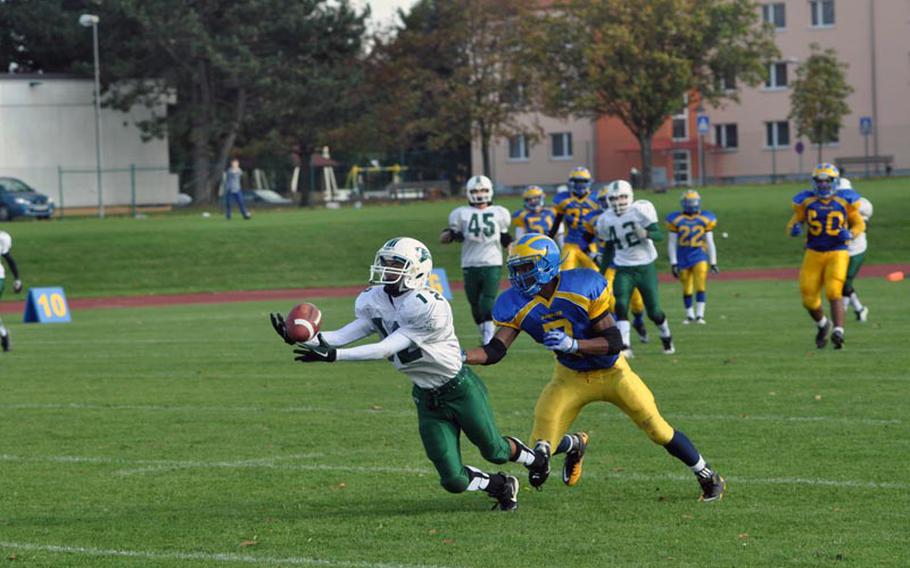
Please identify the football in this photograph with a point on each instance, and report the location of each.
(303, 322)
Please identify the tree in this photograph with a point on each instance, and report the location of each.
(636, 60)
(818, 102)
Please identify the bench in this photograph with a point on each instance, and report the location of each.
(886, 161)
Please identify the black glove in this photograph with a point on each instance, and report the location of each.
(310, 353)
(280, 327)
(17, 285)
(674, 268)
(714, 269)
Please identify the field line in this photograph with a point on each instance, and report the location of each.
(316, 409)
(151, 466)
(205, 556)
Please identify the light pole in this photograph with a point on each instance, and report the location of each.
(91, 20)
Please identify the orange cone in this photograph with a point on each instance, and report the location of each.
(895, 276)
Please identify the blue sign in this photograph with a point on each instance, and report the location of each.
(800, 147)
(46, 305)
(704, 124)
(440, 283)
(865, 125)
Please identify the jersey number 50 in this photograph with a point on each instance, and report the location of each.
(831, 225)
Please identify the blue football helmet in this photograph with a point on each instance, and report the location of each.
(691, 202)
(825, 180)
(580, 181)
(534, 198)
(533, 262)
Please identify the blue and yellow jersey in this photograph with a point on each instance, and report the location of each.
(851, 196)
(574, 211)
(533, 222)
(691, 245)
(582, 296)
(825, 218)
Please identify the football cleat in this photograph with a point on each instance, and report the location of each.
(837, 339)
(668, 345)
(4, 341)
(641, 330)
(538, 474)
(862, 315)
(688, 320)
(821, 336)
(571, 468)
(507, 497)
(700, 321)
(712, 488)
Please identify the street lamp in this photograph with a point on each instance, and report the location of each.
(91, 20)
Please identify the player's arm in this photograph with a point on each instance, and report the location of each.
(652, 231)
(672, 240)
(354, 331)
(795, 224)
(17, 284)
(397, 341)
(557, 222)
(856, 222)
(494, 351)
(449, 234)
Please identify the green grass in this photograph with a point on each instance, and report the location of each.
(185, 252)
(189, 430)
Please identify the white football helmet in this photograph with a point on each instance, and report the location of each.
(403, 261)
(479, 190)
(620, 196)
(865, 208)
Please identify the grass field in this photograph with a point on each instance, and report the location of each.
(186, 435)
(303, 248)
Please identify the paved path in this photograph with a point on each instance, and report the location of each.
(299, 294)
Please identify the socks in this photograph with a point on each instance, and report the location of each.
(700, 310)
(854, 299)
(624, 329)
(664, 328)
(567, 443)
(690, 313)
(487, 329)
(682, 449)
(523, 454)
(701, 469)
(687, 301)
(839, 330)
(822, 322)
(638, 319)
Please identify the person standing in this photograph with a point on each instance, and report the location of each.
(6, 243)
(233, 190)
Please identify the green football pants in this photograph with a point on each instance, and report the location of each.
(627, 279)
(856, 262)
(481, 284)
(443, 413)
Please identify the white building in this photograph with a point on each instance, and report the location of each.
(47, 139)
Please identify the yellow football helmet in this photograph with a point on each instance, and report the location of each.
(825, 180)
(691, 202)
(580, 181)
(534, 198)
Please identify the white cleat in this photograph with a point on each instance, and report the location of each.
(700, 321)
(688, 320)
(667, 342)
(863, 315)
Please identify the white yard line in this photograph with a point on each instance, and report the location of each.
(204, 556)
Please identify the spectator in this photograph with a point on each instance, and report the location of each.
(233, 190)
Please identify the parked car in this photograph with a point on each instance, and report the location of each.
(264, 197)
(17, 199)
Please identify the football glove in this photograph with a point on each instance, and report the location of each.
(280, 327)
(796, 230)
(323, 352)
(674, 268)
(845, 235)
(715, 269)
(17, 285)
(557, 340)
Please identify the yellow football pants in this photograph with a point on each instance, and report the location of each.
(574, 257)
(694, 278)
(636, 304)
(828, 269)
(568, 391)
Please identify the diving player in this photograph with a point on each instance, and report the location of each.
(831, 223)
(483, 230)
(629, 228)
(6, 243)
(856, 249)
(534, 217)
(569, 313)
(418, 337)
(691, 250)
(573, 208)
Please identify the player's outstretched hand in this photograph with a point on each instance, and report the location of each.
(674, 268)
(17, 285)
(796, 230)
(715, 269)
(557, 340)
(845, 235)
(280, 327)
(323, 352)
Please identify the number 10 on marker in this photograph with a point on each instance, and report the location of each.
(46, 305)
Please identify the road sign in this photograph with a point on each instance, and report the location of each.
(865, 125)
(703, 123)
(800, 147)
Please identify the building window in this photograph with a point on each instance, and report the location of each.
(682, 168)
(727, 81)
(775, 14)
(777, 76)
(777, 134)
(680, 122)
(822, 12)
(561, 145)
(518, 147)
(726, 136)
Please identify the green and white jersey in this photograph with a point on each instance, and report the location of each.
(6, 243)
(481, 229)
(620, 230)
(425, 318)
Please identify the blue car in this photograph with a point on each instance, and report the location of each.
(17, 199)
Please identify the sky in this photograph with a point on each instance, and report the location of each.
(384, 10)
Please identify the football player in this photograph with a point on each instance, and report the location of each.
(483, 230)
(629, 228)
(691, 249)
(831, 223)
(568, 312)
(573, 208)
(534, 217)
(6, 243)
(856, 248)
(418, 337)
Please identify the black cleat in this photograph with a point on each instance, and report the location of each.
(821, 336)
(539, 471)
(641, 330)
(571, 468)
(837, 339)
(668, 345)
(507, 497)
(712, 488)
(4, 341)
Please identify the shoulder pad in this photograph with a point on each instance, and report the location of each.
(507, 306)
(802, 196)
(850, 195)
(418, 308)
(709, 215)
